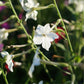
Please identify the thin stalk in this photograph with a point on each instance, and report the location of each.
(59, 14)
(44, 7)
(20, 54)
(4, 76)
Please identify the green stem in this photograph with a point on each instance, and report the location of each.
(63, 26)
(44, 7)
(4, 76)
(20, 54)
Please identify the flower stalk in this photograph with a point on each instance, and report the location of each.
(43, 7)
(63, 26)
(4, 76)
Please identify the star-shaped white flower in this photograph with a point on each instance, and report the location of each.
(3, 35)
(8, 60)
(27, 6)
(44, 35)
(36, 62)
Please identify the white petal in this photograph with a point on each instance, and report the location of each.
(52, 36)
(8, 60)
(38, 39)
(41, 82)
(46, 43)
(4, 53)
(31, 14)
(1, 3)
(10, 65)
(23, 5)
(36, 61)
(3, 35)
(43, 29)
(39, 29)
(31, 70)
(47, 28)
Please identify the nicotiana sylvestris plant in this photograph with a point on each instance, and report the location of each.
(43, 35)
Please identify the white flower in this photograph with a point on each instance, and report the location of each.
(27, 6)
(8, 60)
(44, 36)
(79, 4)
(36, 62)
(3, 35)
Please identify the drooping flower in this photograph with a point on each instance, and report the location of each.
(3, 35)
(61, 35)
(8, 60)
(27, 6)
(36, 62)
(44, 35)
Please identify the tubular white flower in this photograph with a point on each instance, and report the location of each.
(3, 35)
(36, 62)
(8, 60)
(44, 35)
(27, 6)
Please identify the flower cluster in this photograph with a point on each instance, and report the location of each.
(28, 6)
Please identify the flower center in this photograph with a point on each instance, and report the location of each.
(43, 35)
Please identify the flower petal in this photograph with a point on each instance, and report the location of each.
(31, 70)
(41, 82)
(39, 29)
(47, 28)
(4, 53)
(8, 60)
(46, 43)
(10, 65)
(52, 36)
(38, 39)
(31, 14)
